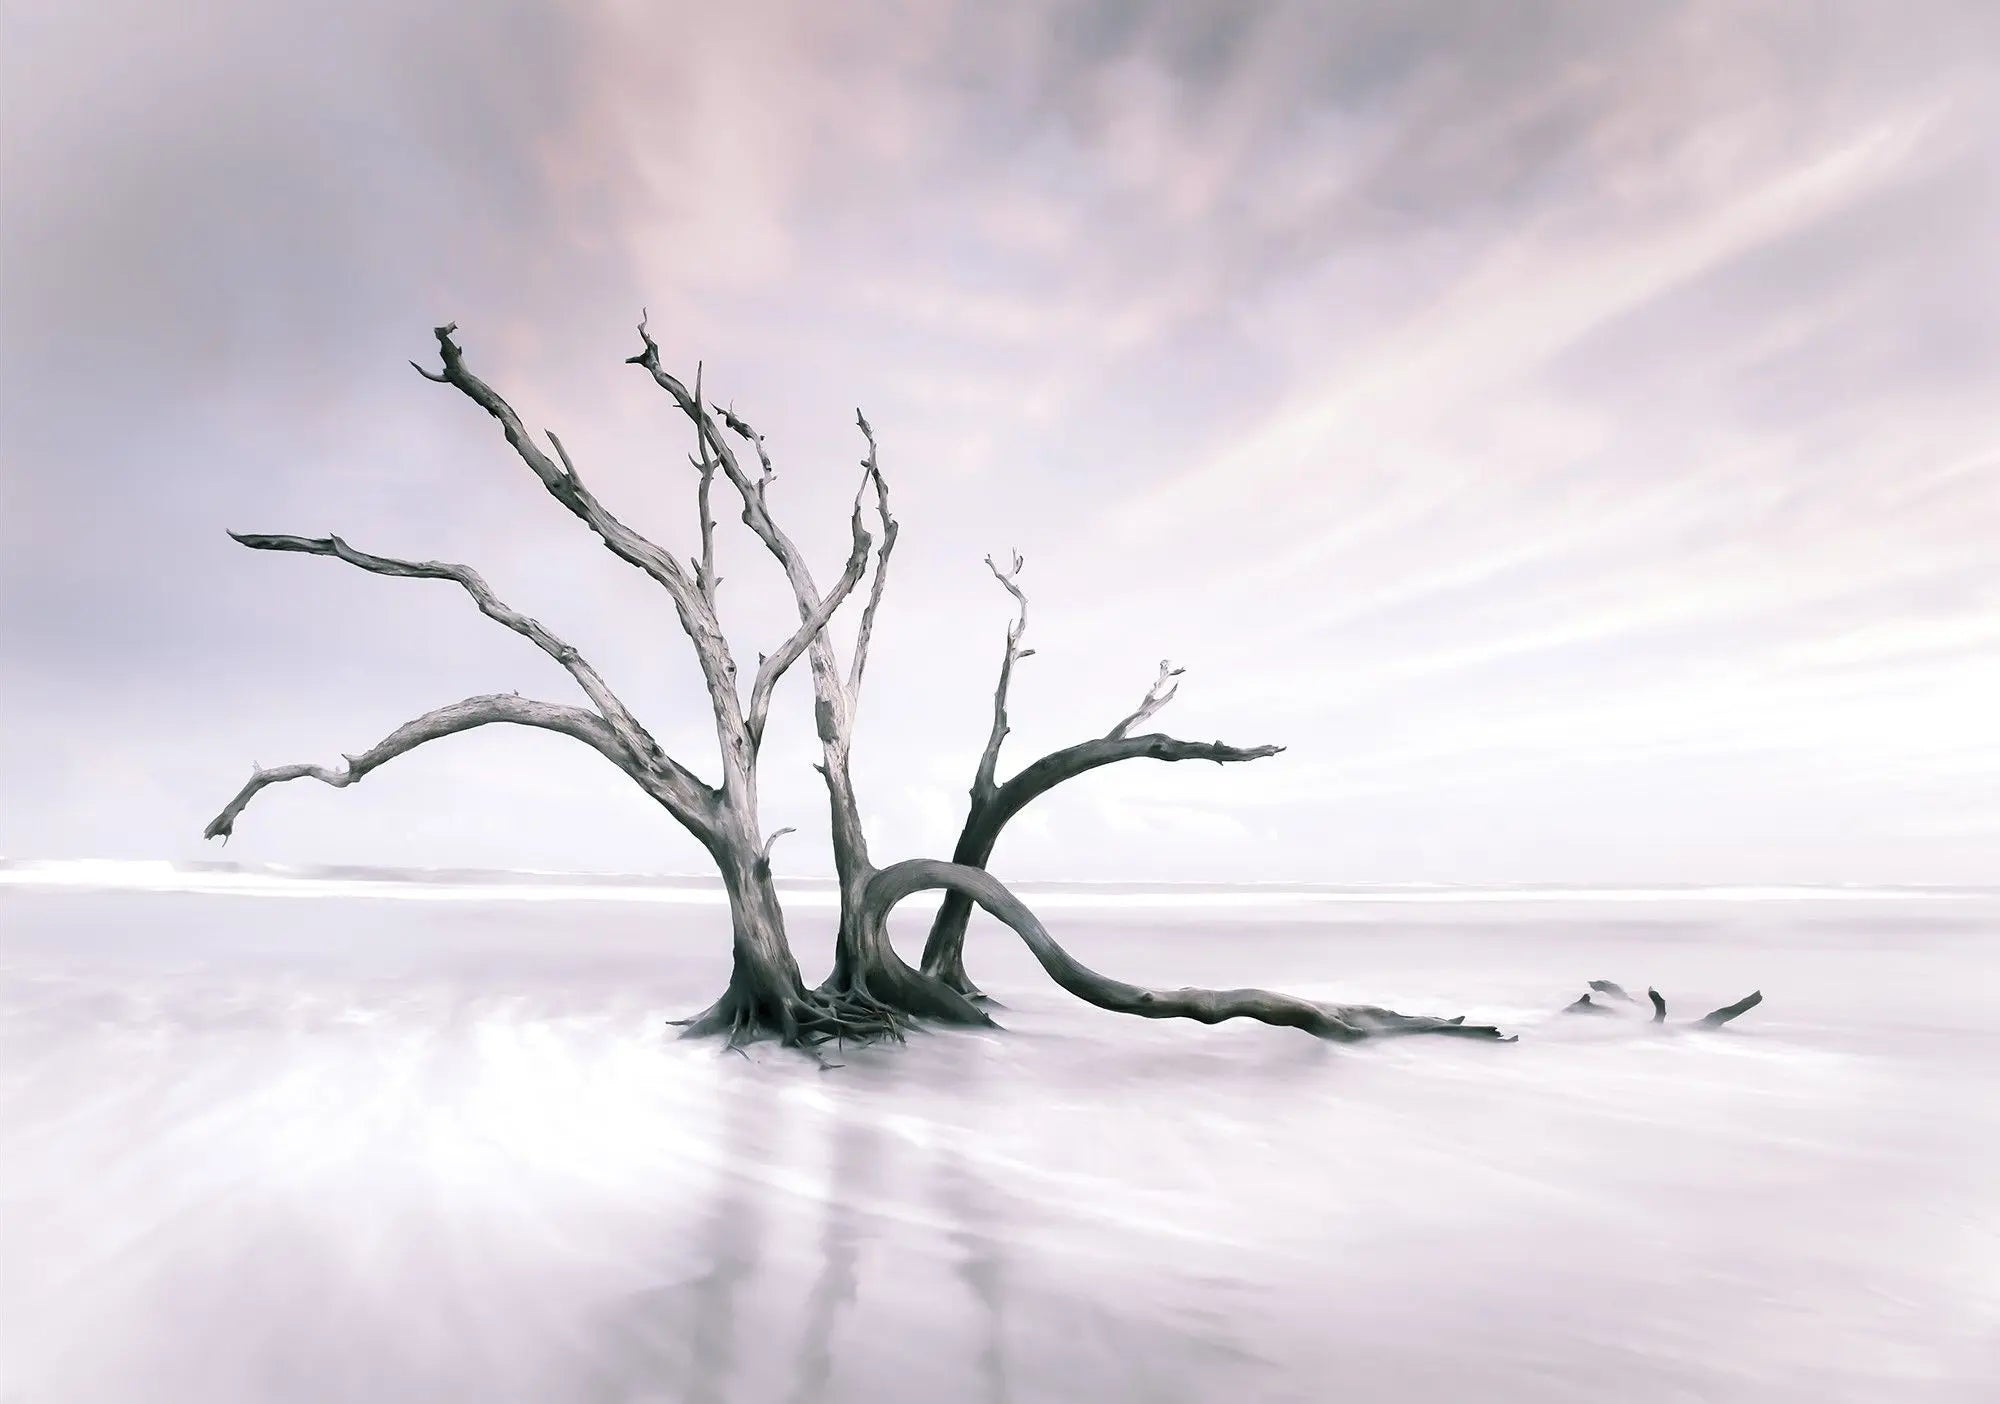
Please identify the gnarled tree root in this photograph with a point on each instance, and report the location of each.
(801, 1018)
(882, 978)
(879, 1001)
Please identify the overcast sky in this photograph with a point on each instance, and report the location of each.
(1573, 429)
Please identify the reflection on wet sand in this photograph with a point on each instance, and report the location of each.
(841, 1252)
(681, 1336)
(967, 1204)
(856, 1146)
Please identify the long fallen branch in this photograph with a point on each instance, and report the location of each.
(1343, 1022)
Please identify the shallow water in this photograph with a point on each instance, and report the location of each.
(354, 1149)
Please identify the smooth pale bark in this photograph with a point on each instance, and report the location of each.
(834, 697)
(585, 726)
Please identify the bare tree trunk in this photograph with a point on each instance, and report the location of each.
(944, 947)
(1344, 1022)
(870, 969)
(766, 996)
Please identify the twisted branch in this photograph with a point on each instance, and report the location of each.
(834, 713)
(686, 793)
(1157, 696)
(560, 478)
(1345, 1022)
(585, 726)
(704, 571)
(989, 758)
(810, 627)
(890, 527)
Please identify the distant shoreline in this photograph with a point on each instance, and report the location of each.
(279, 880)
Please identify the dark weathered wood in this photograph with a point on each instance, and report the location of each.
(1344, 1022)
(994, 804)
(1713, 1020)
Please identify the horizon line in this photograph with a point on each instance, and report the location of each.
(134, 873)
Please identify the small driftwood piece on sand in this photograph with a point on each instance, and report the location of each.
(1613, 999)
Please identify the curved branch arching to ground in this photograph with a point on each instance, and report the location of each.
(944, 948)
(1342, 1022)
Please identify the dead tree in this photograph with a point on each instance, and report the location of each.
(872, 993)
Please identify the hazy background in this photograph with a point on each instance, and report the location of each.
(1570, 427)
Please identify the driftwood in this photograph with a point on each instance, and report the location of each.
(1616, 1002)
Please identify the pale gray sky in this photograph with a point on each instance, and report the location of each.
(1570, 428)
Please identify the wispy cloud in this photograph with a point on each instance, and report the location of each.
(1568, 426)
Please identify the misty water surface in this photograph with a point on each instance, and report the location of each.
(347, 1149)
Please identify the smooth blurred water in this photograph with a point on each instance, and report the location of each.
(349, 1149)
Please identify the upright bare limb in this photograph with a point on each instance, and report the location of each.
(1157, 696)
(865, 634)
(757, 516)
(993, 804)
(834, 695)
(811, 626)
(558, 475)
(692, 603)
(989, 755)
(704, 462)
